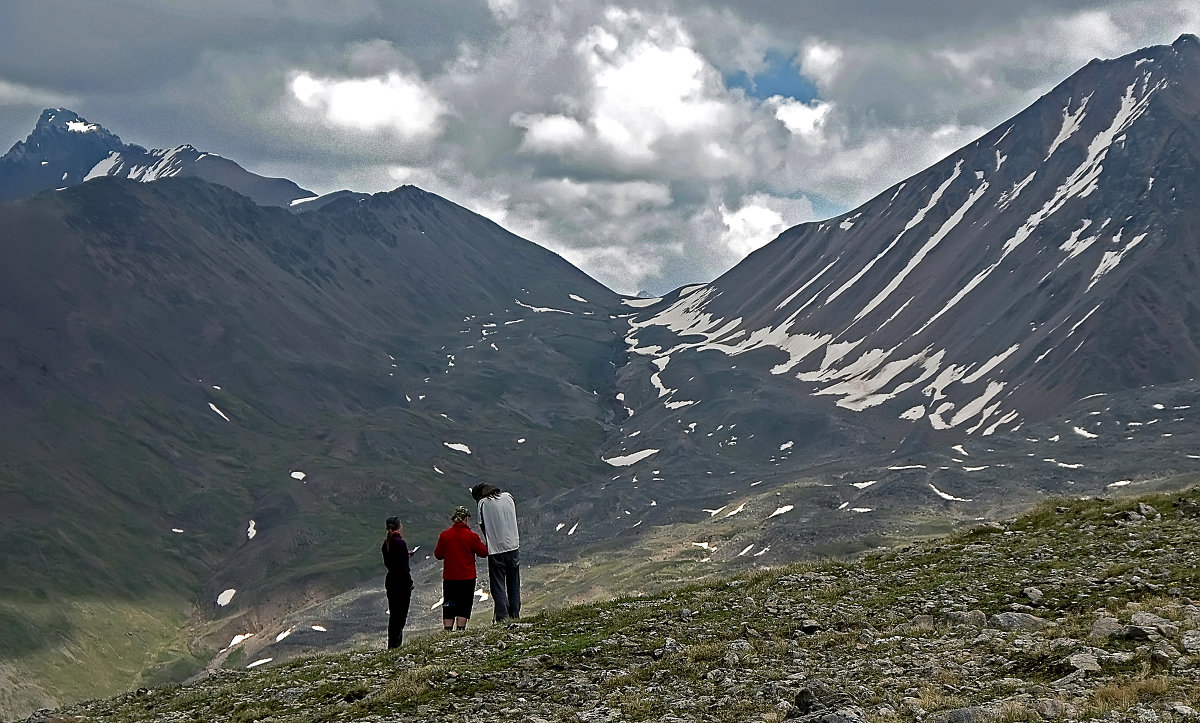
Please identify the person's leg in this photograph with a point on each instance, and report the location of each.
(497, 579)
(465, 601)
(513, 584)
(397, 612)
(405, 606)
(457, 608)
(447, 605)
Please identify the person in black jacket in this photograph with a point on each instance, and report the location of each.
(399, 582)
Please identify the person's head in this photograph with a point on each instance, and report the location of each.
(393, 524)
(460, 514)
(484, 489)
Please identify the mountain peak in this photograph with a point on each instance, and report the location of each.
(1187, 40)
(60, 115)
(1040, 232)
(66, 149)
(58, 153)
(409, 190)
(63, 119)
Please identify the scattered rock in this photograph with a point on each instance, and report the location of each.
(971, 618)
(1053, 709)
(1163, 655)
(1121, 658)
(1191, 641)
(1106, 627)
(1017, 621)
(1182, 710)
(805, 700)
(973, 714)
(670, 647)
(923, 622)
(1085, 662)
(1161, 625)
(1138, 632)
(1187, 507)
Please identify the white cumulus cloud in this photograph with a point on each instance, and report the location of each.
(803, 119)
(760, 219)
(393, 102)
(821, 61)
(647, 91)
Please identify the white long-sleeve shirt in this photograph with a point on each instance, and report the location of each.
(498, 519)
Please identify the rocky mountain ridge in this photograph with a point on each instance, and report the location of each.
(64, 150)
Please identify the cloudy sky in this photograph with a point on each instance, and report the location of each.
(653, 144)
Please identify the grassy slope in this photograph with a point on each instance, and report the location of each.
(1088, 561)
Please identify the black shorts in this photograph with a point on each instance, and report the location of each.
(457, 597)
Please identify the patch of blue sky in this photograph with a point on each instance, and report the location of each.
(824, 208)
(778, 77)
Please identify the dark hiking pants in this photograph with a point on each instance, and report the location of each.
(398, 597)
(504, 577)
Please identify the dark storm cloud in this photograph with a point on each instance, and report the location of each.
(620, 134)
(117, 44)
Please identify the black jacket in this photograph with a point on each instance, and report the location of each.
(395, 559)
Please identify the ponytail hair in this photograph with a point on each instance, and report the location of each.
(393, 526)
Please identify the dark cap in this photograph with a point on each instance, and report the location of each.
(393, 523)
(484, 489)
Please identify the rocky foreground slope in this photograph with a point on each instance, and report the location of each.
(1080, 610)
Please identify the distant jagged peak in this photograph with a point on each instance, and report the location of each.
(59, 117)
(67, 131)
(58, 152)
(1188, 42)
(66, 149)
(64, 119)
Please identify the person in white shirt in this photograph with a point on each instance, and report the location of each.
(498, 521)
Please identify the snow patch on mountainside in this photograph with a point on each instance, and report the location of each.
(947, 386)
(864, 382)
(628, 459)
(159, 163)
(1070, 124)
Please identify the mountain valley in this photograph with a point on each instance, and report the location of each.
(215, 385)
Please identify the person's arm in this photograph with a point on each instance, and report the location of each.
(402, 560)
(477, 546)
(438, 551)
(482, 526)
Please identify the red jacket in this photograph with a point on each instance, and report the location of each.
(458, 545)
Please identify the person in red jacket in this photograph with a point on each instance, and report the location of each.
(457, 547)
